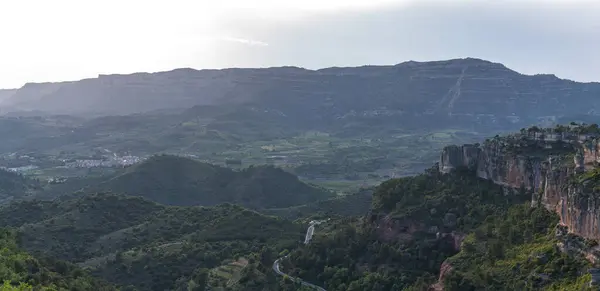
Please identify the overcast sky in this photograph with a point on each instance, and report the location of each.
(43, 40)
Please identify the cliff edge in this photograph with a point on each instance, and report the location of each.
(557, 167)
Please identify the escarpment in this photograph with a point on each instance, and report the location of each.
(558, 170)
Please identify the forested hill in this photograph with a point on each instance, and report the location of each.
(19, 271)
(133, 241)
(450, 232)
(447, 229)
(13, 185)
(175, 180)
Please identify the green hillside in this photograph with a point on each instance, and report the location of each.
(20, 271)
(13, 185)
(132, 241)
(395, 245)
(175, 180)
(517, 251)
(356, 204)
(172, 223)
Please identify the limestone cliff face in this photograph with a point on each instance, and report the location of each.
(459, 156)
(491, 162)
(591, 151)
(544, 174)
(580, 212)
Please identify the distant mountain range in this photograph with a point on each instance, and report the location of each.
(458, 90)
(334, 123)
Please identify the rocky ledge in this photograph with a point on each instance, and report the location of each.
(558, 170)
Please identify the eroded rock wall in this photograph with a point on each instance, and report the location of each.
(591, 151)
(579, 212)
(459, 156)
(547, 177)
(492, 163)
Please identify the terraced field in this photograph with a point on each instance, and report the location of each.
(226, 275)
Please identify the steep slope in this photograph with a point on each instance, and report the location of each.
(516, 251)
(558, 169)
(21, 271)
(13, 185)
(180, 181)
(558, 165)
(465, 224)
(131, 241)
(19, 213)
(468, 223)
(180, 241)
(415, 223)
(456, 91)
(66, 229)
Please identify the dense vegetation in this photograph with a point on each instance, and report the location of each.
(356, 204)
(15, 185)
(20, 271)
(457, 201)
(175, 180)
(370, 124)
(131, 241)
(218, 135)
(516, 251)
(395, 237)
(413, 227)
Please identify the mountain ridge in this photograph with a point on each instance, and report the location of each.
(401, 64)
(392, 85)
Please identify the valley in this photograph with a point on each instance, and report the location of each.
(456, 226)
(422, 176)
(343, 164)
(342, 128)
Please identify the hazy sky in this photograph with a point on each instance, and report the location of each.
(43, 40)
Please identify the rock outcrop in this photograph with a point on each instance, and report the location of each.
(445, 269)
(544, 168)
(389, 229)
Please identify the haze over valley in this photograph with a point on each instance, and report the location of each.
(350, 126)
(362, 145)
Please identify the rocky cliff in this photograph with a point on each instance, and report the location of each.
(552, 170)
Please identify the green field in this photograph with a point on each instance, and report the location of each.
(344, 164)
(339, 163)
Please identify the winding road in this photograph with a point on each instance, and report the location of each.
(277, 268)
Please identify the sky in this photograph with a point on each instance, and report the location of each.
(59, 40)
